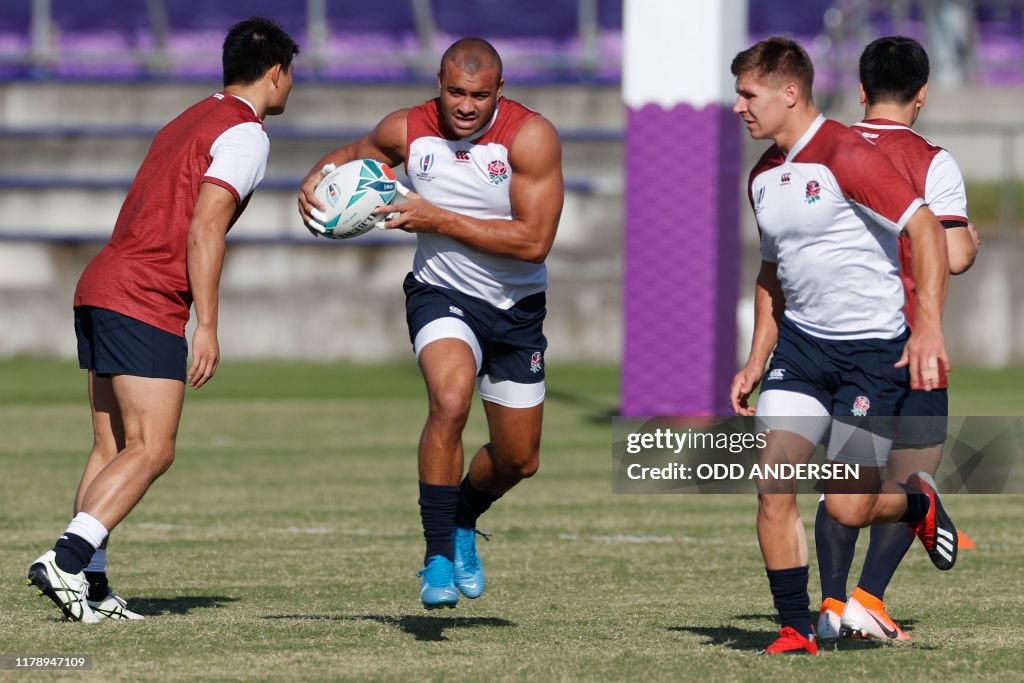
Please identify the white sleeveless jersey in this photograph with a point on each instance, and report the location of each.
(471, 177)
(829, 213)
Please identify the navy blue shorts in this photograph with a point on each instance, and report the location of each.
(852, 378)
(923, 419)
(511, 342)
(110, 343)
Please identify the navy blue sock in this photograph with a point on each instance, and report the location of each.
(437, 511)
(789, 589)
(73, 553)
(889, 543)
(472, 503)
(834, 545)
(918, 505)
(98, 585)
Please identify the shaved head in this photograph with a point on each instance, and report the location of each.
(472, 55)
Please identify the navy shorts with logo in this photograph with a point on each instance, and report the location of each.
(852, 378)
(923, 419)
(114, 344)
(512, 341)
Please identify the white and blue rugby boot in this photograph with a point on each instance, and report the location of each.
(438, 586)
(469, 572)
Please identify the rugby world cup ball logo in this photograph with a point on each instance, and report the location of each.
(813, 191)
(497, 171)
(861, 406)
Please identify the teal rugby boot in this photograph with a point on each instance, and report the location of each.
(469, 572)
(438, 586)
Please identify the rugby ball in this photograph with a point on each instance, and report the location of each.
(350, 193)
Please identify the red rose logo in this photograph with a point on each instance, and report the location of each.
(498, 171)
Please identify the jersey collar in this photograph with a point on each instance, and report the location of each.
(882, 124)
(247, 102)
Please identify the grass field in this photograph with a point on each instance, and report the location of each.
(284, 542)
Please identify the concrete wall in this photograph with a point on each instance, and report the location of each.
(314, 299)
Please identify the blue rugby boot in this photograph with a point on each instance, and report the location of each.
(469, 572)
(438, 587)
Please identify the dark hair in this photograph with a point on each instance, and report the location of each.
(777, 57)
(893, 69)
(472, 55)
(254, 46)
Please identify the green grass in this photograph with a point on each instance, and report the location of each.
(283, 545)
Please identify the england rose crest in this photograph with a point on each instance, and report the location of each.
(536, 362)
(498, 171)
(861, 406)
(813, 191)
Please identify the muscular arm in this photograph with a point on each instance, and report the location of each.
(962, 248)
(769, 303)
(386, 143)
(215, 207)
(926, 351)
(537, 192)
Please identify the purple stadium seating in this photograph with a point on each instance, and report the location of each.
(539, 39)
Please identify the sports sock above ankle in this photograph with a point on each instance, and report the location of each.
(472, 503)
(437, 512)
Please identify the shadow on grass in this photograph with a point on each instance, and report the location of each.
(429, 627)
(747, 640)
(184, 604)
(424, 627)
(753, 640)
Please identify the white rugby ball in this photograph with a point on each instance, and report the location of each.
(349, 195)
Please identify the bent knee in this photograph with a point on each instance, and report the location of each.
(157, 457)
(529, 467)
(854, 514)
(163, 460)
(522, 465)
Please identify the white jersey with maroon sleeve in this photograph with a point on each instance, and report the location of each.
(472, 177)
(829, 213)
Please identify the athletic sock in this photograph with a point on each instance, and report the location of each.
(72, 553)
(789, 589)
(98, 585)
(79, 542)
(472, 503)
(437, 512)
(918, 505)
(834, 544)
(96, 575)
(889, 544)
